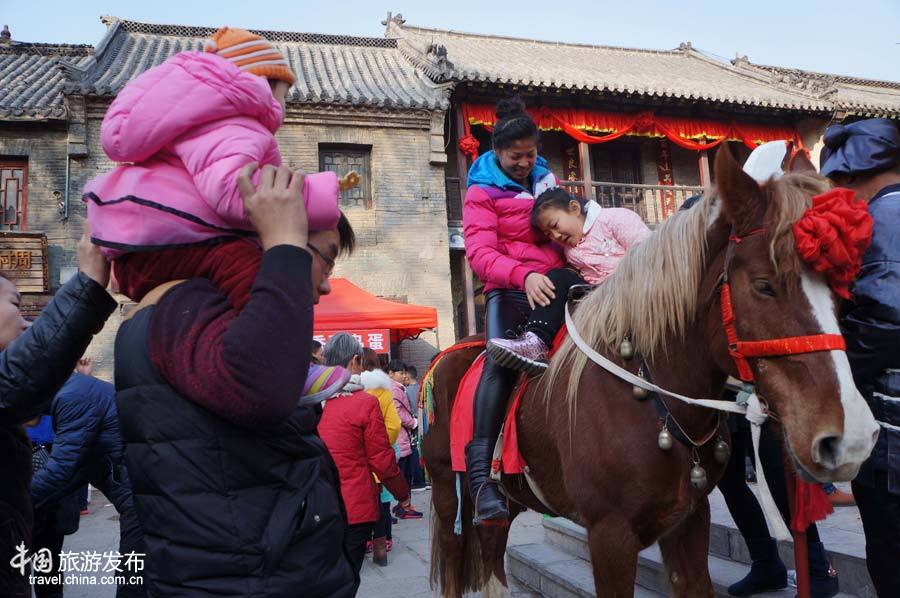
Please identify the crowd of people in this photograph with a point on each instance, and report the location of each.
(246, 460)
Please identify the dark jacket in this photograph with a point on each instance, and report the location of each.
(871, 327)
(87, 445)
(235, 499)
(32, 369)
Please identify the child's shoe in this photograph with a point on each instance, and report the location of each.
(528, 353)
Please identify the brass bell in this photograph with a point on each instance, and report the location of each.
(664, 440)
(698, 477)
(639, 392)
(722, 452)
(626, 349)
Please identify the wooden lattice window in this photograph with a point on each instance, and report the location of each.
(13, 194)
(341, 159)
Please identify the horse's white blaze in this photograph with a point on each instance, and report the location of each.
(860, 427)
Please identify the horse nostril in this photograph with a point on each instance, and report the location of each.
(825, 451)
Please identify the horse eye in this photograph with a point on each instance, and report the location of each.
(764, 286)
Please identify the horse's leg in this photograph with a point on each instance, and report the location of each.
(493, 539)
(685, 550)
(614, 550)
(447, 550)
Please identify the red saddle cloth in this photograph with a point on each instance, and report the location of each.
(461, 421)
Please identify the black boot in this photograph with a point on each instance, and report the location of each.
(823, 580)
(490, 505)
(767, 572)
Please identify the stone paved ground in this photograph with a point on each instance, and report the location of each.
(406, 575)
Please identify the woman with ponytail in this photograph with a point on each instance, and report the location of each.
(512, 259)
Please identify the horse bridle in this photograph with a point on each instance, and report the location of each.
(740, 350)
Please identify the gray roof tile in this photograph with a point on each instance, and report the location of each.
(32, 79)
(329, 68)
(682, 73)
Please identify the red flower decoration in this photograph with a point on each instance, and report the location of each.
(469, 146)
(833, 235)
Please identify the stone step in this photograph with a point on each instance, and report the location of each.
(553, 573)
(726, 561)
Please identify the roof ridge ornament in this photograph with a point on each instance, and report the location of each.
(5, 35)
(685, 47)
(393, 19)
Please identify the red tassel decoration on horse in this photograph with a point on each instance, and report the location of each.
(833, 235)
(811, 504)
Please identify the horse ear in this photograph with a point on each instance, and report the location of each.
(800, 162)
(742, 200)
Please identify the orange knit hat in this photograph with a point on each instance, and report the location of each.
(251, 53)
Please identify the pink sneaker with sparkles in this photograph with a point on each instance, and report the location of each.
(528, 353)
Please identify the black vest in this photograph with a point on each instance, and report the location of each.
(226, 511)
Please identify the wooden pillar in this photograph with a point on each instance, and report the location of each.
(704, 168)
(462, 167)
(469, 289)
(584, 154)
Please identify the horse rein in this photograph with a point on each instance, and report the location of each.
(740, 350)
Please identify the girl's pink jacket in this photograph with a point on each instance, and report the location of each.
(183, 131)
(608, 234)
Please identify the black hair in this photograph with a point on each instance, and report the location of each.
(395, 365)
(557, 198)
(513, 124)
(412, 371)
(316, 345)
(346, 234)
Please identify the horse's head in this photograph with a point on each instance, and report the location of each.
(828, 426)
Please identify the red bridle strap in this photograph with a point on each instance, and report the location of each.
(792, 345)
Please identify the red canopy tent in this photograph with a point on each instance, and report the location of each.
(348, 307)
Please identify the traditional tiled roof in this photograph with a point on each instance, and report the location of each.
(32, 78)
(684, 73)
(332, 69)
(854, 95)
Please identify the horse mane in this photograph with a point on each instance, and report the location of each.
(652, 295)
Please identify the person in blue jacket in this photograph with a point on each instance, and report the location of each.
(87, 448)
(865, 157)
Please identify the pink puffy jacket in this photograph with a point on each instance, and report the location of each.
(185, 129)
(608, 234)
(501, 245)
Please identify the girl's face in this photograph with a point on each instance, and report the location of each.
(517, 160)
(562, 225)
(280, 90)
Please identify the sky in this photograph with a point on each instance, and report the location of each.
(860, 38)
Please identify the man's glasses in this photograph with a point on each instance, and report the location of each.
(329, 263)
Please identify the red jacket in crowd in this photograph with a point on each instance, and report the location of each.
(354, 432)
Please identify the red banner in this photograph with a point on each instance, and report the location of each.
(689, 133)
(664, 176)
(377, 340)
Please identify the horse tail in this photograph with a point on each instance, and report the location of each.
(473, 574)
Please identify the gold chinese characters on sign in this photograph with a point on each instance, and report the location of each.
(23, 260)
(15, 259)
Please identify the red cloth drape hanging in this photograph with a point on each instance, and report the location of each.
(692, 134)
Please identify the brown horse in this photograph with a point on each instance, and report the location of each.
(592, 447)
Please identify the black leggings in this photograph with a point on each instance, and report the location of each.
(546, 321)
(740, 500)
(505, 312)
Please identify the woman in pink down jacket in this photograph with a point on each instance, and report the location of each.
(512, 259)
